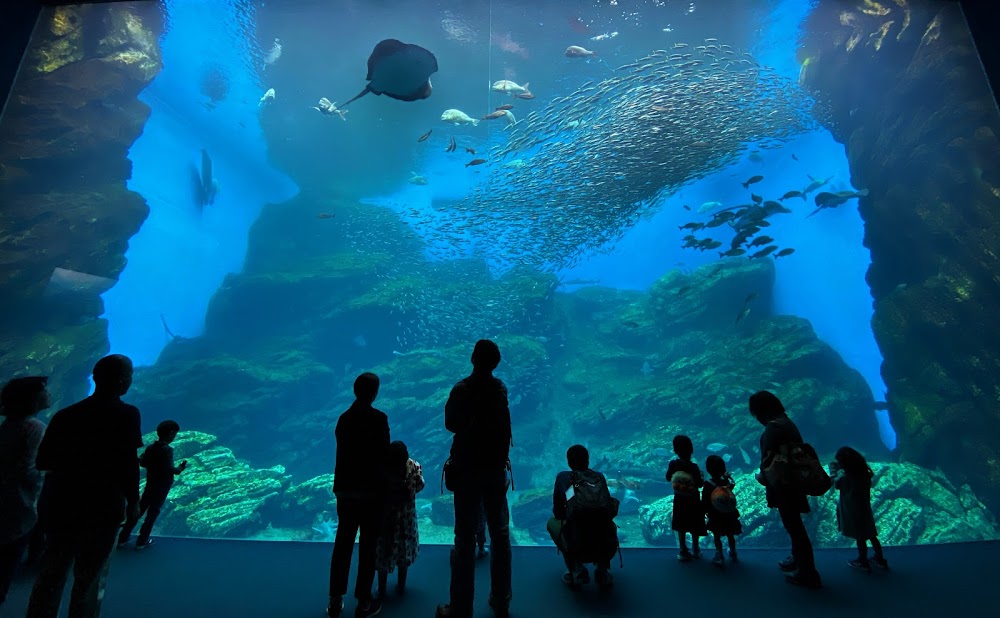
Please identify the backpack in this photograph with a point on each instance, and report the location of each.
(796, 467)
(683, 484)
(723, 499)
(590, 528)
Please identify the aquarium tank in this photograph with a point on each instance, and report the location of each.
(655, 208)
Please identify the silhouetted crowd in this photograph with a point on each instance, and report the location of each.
(73, 518)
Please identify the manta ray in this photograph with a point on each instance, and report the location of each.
(399, 70)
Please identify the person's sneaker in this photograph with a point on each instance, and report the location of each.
(859, 564)
(482, 553)
(368, 608)
(788, 565)
(579, 577)
(335, 608)
(684, 555)
(500, 610)
(805, 580)
(603, 577)
(881, 563)
(447, 611)
(718, 560)
(733, 556)
(146, 544)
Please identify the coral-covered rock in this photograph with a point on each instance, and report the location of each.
(71, 118)
(308, 501)
(218, 495)
(912, 505)
(924, 143)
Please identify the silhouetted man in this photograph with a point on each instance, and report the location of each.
(92, 482)
(779, 430)
(359, 483)
(478, 414)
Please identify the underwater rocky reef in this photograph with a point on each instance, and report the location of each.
(258, 394)
(68, 125)
(921, 131)
(220, 495)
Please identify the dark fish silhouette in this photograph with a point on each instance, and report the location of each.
(471, 151)
(206, 186)
(475, 162)
(451, 146)
(425, 136)
(400, 71)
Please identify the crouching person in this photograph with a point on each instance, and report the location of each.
(583, 526)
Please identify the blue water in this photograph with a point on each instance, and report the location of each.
(182, 255)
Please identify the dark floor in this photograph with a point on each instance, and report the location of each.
(219, 579)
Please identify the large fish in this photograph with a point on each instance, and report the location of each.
(400, 71)
(207, 185)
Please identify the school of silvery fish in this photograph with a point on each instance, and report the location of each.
(571, 178)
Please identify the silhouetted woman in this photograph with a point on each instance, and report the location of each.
(779, 430)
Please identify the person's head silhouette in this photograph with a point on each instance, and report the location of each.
(578, 457)
(113, 375)
(683, 447)
(485, 356)
(366, 387)
(766, 407)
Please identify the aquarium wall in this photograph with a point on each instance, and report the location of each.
(654, 208)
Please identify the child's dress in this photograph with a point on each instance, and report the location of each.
(719, 523)
(399, 543)
(855, 519)
(688, 514)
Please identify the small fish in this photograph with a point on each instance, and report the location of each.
(425, 136)
(784, 252)
(647, 369)
(761, 240)
(715, 447)
(693, 226)
(575, 51)
(791, 194)
(526, 95)
(756, 198)
(471, 151)
(752, 180)
(764, 252)
(726, 457)
(631, 323)
(475, 162)
(495, 115)
(794, 158)
(686, 207)
(733, 253)
(745, 455)
(742, 314)
(325, 215)
(505, 107)
(451, 145)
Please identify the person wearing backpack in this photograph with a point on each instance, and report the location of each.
(582, 524)
(719, 503)
(477, 412)
(780, 431)
(687, 516)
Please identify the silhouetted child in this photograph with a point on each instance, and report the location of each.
(719, 502)
(688, 515)
(855, 519)
(399, 543)
(158, 460)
